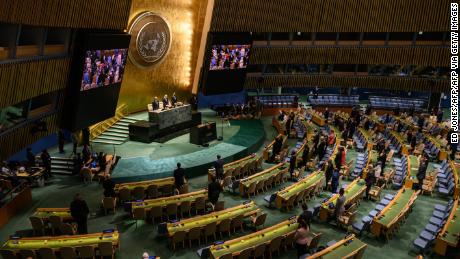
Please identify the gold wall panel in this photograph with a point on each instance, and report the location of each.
(428, 56)
(24, 80)
(21, 137)
(330, 15)
(103, 14)
(380, 82)
(175, 72)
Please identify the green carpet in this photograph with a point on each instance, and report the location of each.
(134, 241)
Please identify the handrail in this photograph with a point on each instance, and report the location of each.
(99, 128)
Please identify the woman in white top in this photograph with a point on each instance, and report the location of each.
(302, 236)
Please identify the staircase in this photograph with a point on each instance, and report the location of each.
(62, 165)
(59, 165)
(117, 134)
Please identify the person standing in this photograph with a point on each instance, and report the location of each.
(421, 172)
(155, 104)
(109, 187)
(331, 138)
(329, 171)
(173, 100)
(86, 153)
(165, 101)
(46, 160)
(79, 211)
(305, 154)
(74, 142)
(219, 166)
(370, 180)
(292, 163)
(322, 149)
(335, 179)
(214, 190)
(276, 149)
(340, 204)
(302, 237)
(179, 176)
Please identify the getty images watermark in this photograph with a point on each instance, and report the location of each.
(454, 71)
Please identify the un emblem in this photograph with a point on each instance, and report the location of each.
(150, 39)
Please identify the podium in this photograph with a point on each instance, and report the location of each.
(203, 133)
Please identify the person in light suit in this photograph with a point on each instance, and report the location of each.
(165, 101)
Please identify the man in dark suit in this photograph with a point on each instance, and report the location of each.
(219, 166)
(155, 104)
(292, 163)
(179, 176)
(276, 149)
(173, 100)
(79, 211)
(214, 190)
(46, 160)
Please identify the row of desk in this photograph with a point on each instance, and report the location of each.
(317, 118)
(345, 248)
(386, 218)
(353, 192)
(349, 247)
(163, 202)
(238, 167)
(159, 183)
(244, 210)
(306, 184)
(412, 170)
(45, 213)
(456, 174)
(401, 141)
(273, 171)
(442, 149)
(35, 243)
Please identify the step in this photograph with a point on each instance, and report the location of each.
(101, 141)
(62, 167)
(123, 123)
(126, 131)
(65, 172)
(61, 163)
(58, 158)
(120, 127)
(110, 138)
(115, 134)
(130, 120)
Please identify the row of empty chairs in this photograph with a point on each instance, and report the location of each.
(56, 225)
(401, 170)
(382, 102)
(333, 100)
(279, 101)
(151, 192)
(361, 162)
(447, 178)
(366, 221)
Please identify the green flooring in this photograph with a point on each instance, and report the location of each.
(135, 241)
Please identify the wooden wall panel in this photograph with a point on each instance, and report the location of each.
(428, 56)
(25, 80)
(21, 137)
(101, 14)
(380, 82)
(330, 15)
